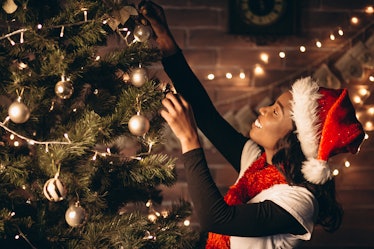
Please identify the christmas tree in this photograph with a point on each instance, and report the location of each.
(80, 164)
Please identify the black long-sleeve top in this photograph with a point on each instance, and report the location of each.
(247, 220)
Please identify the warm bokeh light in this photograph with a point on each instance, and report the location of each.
(210, 76)
(369, 10)
(282, 54)
(355, 20)
(264, 57)
(258, 70)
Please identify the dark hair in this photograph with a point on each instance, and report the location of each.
(291, 157)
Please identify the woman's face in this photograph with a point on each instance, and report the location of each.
(273, 123)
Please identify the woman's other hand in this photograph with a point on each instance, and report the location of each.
(178, 114)
(155, 15)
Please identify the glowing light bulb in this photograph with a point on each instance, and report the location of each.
(369, 10)
(369, 126)
(318, 44)
(340, 32)
(242, 75)
(210, 76)
(357, 99)
(229, 75)
(186, 223)
(302, 49)
(363, 92)
(332, 37)
(264, 57)
(355, 20)
(282, 54)
(371, 110)
(347, 164)
(335, 172)
(259, 70)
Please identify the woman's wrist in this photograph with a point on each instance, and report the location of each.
(167, 45)
(189, 144)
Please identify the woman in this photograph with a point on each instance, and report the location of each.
(284, 186)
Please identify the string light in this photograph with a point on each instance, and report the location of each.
(340, 31)
(21, 40)
(264, 57)
(302, 49)
(259, 70)
(186, 222)
(242, 75)
(229, 75)
(369, 10)
(347, 164)
(210, 76)
(84, 13)
(318, 44)
(355, 20)
(282, 54)
(11, 41)
(332, 36)
(29, 140)
(62, 31)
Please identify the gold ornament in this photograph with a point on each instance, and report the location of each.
(142, 33)
(9, 6)
(75, 215)
(138, 125)
(139, 76)
(64, 89)
(18, 112)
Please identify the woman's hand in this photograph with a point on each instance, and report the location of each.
(179, 115)
(155, 15)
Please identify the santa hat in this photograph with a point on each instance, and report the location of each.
(326, 125)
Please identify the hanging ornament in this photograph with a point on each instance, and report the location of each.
(142, 33)
(9, 6)
(138, 125)
(75, 215)
(139, 76)
(18, 112)
(64, 88)
(54, 190)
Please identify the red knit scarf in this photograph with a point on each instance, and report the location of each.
(256, 178)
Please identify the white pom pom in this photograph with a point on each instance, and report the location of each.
(316, 171)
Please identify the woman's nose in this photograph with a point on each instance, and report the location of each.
(262, 110)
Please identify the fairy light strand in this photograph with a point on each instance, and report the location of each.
(32, 141)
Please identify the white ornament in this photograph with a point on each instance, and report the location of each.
(75, 215)
(9, 6)
(142, 33)
(54, 190)
(64, 89)
(139, 76)
(18, 112)
(138, 125)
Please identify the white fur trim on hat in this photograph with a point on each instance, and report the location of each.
(316, 171)
(305, 115)
(308, 128)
